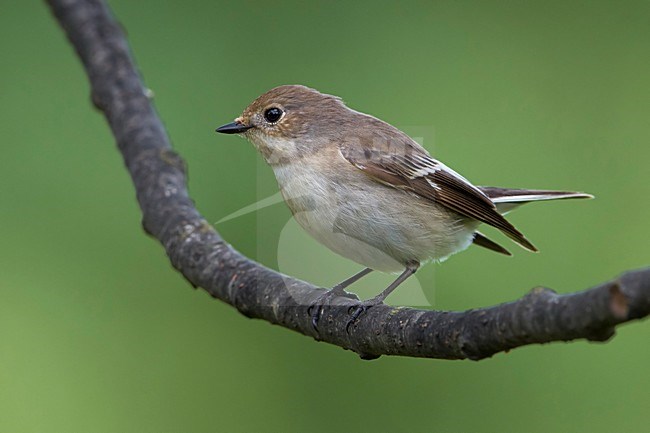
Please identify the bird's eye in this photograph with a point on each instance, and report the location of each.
(272, 114)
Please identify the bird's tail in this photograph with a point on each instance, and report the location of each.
(507, 199)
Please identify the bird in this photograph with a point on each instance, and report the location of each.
(369, 192)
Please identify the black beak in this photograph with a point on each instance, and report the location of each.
(233, 128)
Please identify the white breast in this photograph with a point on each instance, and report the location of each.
(374, 225)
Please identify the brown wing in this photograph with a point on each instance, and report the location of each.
(409, 167)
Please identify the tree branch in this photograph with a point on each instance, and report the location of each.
(206, 261)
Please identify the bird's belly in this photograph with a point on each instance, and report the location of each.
(374, 225)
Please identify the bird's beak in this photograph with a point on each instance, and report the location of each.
(235, 127)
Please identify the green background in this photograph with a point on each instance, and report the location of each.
(99, 334)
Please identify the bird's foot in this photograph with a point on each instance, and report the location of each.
(316, 309)
(360, 309)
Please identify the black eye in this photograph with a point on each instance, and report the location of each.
(272, 114)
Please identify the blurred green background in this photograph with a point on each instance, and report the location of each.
(98, 333)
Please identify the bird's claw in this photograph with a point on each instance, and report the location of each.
(358, 311)
(315, 310)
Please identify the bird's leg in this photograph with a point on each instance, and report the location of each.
(365, 305)
(316, 309)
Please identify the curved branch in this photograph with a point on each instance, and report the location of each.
(206, 261)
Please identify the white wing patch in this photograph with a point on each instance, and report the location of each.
(425, 166)
(421, 172)
(433, 184)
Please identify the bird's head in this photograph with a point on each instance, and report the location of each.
(290, 121)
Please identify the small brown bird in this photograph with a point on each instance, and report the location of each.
(369, 192)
